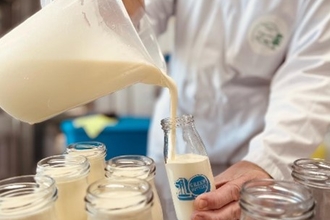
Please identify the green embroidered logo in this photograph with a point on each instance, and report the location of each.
(267, 35)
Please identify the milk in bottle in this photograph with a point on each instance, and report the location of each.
(29, 197)
(70, 174)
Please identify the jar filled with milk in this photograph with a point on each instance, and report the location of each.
(136, 166)
(28, 198)
(187, 164)
(70, 174)
(95, 152)
(119, 198)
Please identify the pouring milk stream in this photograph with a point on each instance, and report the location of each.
(75, 51)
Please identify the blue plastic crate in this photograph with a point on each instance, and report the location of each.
(128, 136)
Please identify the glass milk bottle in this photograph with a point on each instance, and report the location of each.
(187, 164)
(119, 198)
(315, 174)
(28, 198)
(267, 199)
(95, 153)
(137, 166)
(70, 174)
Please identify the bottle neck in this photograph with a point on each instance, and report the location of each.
(119, 198)
(25, 196)
(270, 200)
(183, 121)
(184, 139)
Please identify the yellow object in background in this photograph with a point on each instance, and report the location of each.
(94, 124)
(320, 152)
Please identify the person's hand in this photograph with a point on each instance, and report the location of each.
(222, 204)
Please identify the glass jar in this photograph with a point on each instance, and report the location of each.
(187, 164)
(267, 199)
(137, 166)
(70, 174)
(315, 174)
(119, 198)
(95, 153)
(29, 197)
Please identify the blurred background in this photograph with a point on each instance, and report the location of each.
(23, 145)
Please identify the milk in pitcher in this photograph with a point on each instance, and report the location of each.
(71, 53)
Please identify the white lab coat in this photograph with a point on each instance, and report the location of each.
(244, 89)
(254, 74)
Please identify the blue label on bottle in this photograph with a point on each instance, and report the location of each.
(190, 189)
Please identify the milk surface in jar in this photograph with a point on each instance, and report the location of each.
(136, 166)
(95, 152)
(28, 198)
(119, 198)
(70, 174)
(75, 52)
(187, 164)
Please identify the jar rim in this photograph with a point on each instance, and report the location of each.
(144, 167)
(21, 195)
(313, 172)
(290, 197)
(87, 148)
(64, 167)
